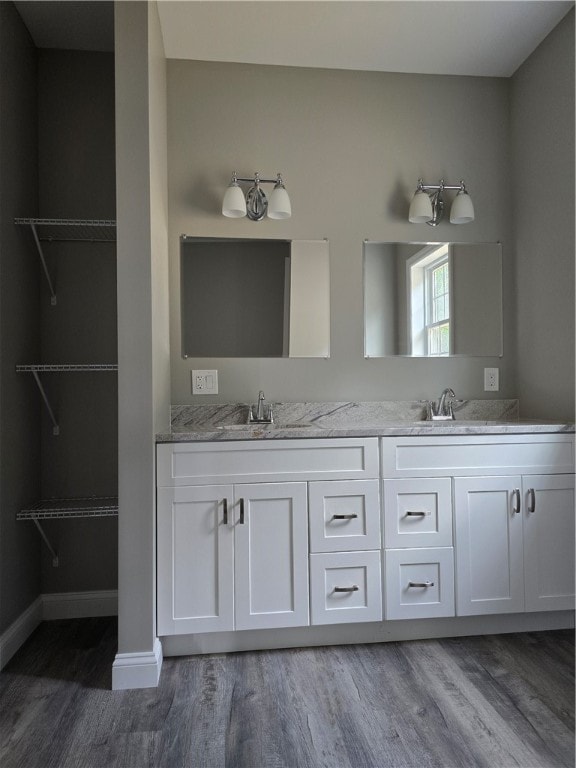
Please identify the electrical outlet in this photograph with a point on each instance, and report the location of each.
(205, 382)
(491, 379)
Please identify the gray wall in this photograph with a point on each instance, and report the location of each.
(350, 146)
(76, 150)
(542, 110)
(19, 319)
(143, 378)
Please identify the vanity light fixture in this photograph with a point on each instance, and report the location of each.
(427, 206)
(256, 205)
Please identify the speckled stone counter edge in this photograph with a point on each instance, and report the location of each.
(349, 419)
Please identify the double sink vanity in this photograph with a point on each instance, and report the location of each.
(360, 522)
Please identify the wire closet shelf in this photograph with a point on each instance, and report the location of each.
(85, 506)
(72, 230)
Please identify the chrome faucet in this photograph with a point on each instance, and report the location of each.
(445, 404)
(260, 408)
(260, 413)
(443, 410)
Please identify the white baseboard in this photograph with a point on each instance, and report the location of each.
(377, 632)
(19, 631)
(79, 605)
(137, 670)
(57, 605)
(130, 670)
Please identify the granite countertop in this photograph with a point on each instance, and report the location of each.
(325, 420)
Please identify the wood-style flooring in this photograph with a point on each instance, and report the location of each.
(494, 701)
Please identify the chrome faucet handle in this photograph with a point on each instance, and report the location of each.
(261, 413)
(444, 408)
(260, 409)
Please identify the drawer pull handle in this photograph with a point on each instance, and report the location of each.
(516, 503)
(347, 589)
(531, 500)
(344, 517)
(420, 583)
(416, 513)
(225, 514)
(241, 511)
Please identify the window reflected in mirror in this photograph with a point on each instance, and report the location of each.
(432, 299)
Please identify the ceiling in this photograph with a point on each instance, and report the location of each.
(449, 37)
(462, 37)
(74, 24)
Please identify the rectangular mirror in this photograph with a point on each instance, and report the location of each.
(254, 297)
(432, 299)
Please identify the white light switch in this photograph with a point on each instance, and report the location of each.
(204, 382)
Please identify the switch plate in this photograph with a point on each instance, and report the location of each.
(491, 379)
(205, 382)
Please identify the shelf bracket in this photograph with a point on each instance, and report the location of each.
(55, 560)
(55, 427)
(35, 369)
(44, 265)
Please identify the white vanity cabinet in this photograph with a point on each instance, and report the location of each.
(513, 515)
(315, 535)
(232, 528)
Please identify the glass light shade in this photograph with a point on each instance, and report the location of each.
(279, 204)
(462, 210)
(420, 208)
(234, 203)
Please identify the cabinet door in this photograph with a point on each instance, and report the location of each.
(195, 560)
(549, 542)
(488, 530)
(271, 559)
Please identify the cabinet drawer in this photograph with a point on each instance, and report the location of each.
(418, 512)
(419, 583)
(344, 515)
(345, 587)
(478, 455)
(261, 461)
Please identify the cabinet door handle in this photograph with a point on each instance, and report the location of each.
(420, 583)
(531, 500)
(416, 513)
(225, 514)
(344, 517)
(516, 501)
(354, 588)
(241, 511)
